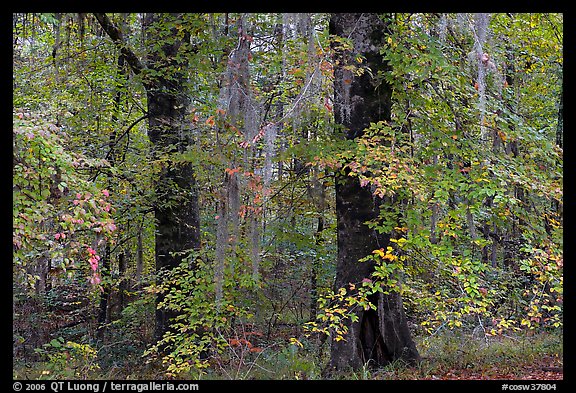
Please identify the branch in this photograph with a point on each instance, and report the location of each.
(116, 35)
(124, 133)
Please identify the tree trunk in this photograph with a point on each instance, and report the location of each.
(105, 295)
(176, 208)
(123, 284)
(164, 76)
(103, 314)
(380, 336)
(560, 126)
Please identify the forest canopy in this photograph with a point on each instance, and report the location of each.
(269, 195)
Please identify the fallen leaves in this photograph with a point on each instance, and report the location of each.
(546, 368)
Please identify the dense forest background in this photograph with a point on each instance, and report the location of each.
(268, 196)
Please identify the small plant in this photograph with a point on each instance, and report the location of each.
(200, 331)
(65, 360)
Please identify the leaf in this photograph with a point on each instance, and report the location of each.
(234, 342)
(296, 342)
(56, 343)
(379, 252)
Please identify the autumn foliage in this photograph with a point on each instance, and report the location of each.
(467, 174)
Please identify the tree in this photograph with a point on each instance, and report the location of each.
(416, 158)
(164, 76)
(378, 335)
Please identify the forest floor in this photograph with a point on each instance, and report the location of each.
(538, 357)
(446, 356)
(546, 368)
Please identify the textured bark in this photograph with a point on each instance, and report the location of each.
(176, 209)
(380, 336)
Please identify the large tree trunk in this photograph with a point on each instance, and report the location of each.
(176, 208)
(380, 336)
(164, 77)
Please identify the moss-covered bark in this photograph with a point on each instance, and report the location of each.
(380, 336)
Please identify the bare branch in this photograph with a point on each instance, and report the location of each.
(116, 35)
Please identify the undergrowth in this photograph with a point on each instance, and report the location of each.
(444, 354)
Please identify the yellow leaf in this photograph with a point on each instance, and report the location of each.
(379, 252)
(296, 342)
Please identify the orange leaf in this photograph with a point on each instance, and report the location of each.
(230, 171)
(234, 342)
(245, 342)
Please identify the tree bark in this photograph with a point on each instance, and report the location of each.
(380, 336)
(164, 77)
(176, 205)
